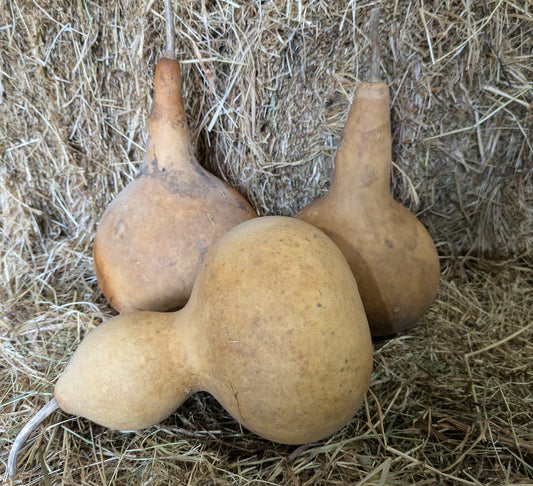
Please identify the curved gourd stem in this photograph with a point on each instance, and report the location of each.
(170, 30)
(22, 436)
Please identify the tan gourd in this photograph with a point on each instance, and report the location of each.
(274, 329)
(392, 256)
(153, 237)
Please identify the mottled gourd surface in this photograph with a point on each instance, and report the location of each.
(274, 329)
(153, 237)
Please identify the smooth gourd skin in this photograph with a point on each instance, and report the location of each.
(391, 254)
(152, 238)
(274, 329)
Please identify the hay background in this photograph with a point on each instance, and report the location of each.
(267, 88)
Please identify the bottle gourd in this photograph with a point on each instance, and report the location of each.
(274, 329)
(391, 254)
(153, 237)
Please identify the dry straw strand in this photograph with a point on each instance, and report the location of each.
(273, 82)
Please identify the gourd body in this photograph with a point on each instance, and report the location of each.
(152, 238)
(274, 330)
(391, 254)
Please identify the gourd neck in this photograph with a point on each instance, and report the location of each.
(362, 163)
(169, 142)
(189, 346)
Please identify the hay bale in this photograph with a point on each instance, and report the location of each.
(267, 87)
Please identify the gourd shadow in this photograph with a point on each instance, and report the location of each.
(361, 272)
(378, 310)
(204, 420)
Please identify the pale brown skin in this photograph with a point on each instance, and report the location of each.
(152, 238)
(274, 329)
(391, 254)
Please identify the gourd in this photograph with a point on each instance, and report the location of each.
(274, 330)
(391, 254)
(152, 238)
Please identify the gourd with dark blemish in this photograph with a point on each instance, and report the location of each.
(152, 238)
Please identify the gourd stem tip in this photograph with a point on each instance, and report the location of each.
(34, 422)
(170, 30)
(374, 45)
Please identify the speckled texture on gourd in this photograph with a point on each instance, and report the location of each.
(274, 329)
